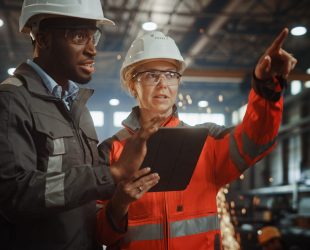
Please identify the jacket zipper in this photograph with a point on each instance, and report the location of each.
(80, 141)
(77, 133)
(166, 223)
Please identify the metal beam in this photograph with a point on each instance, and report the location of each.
(233, 76)
(214, 27)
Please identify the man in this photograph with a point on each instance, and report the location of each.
(50, 172)
(269, 238)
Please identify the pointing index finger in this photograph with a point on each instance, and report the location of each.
(278, 42)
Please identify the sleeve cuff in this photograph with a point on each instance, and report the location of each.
(124, 223)
(105, 182)
(271, 89)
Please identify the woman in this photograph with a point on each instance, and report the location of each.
(135, 219)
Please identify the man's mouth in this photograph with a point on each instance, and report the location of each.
(89, 67)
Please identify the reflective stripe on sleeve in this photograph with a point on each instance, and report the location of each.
(54, 190)
(194, 226)
(252, 149)
(59, 146)
(54, 186)
(235, 154)
(144, 232)
(55, 160)
(54, 164)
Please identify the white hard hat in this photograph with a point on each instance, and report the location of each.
(152, 46)
(86, 9)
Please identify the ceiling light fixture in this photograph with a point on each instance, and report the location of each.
(298, 31)
(11, 71)
(295, 87)
(1, 22)
(114, 102)
(149, 26)
(203, 104)
(221, 98)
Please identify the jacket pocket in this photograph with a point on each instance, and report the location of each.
(52, 134)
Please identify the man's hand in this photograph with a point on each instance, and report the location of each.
(134, 151)
(130, 190)
(275, 61)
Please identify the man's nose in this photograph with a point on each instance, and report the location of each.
(91, 48)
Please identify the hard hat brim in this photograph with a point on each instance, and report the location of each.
(100, 21)
(106, 21)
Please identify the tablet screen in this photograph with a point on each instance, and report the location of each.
(173, 154)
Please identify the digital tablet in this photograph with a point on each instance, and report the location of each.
(173, 154)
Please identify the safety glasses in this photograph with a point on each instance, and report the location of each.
(152, 77)
(79, 35)
(83, 36)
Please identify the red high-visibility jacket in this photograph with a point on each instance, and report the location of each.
(188, 219)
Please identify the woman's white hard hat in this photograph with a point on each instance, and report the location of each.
(86, 9)
(152, 46)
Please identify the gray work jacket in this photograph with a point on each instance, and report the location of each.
(50, 172)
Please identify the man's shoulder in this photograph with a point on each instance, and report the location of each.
(13, 81)
(12, 84)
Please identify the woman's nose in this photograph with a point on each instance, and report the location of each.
(161, 81)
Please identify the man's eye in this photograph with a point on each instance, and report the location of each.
(78, 36)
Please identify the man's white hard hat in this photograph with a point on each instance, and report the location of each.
(86, 9)
(152, 46)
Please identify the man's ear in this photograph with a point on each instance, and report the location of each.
(43, 40)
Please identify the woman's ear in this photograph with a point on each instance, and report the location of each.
(132, 89)
(133, 93)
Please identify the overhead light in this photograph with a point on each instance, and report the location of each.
(295, 87)
(308, 71)
(221, 98)
(298, 31)
(149, 26)
(1, 22)
(189, 99)
(114, 102)
(98, 118)
(11, 71)
(307, 84)
(203, 104)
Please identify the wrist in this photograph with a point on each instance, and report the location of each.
(116, 220)
(270, 89)
(118, 206)
(116, 173)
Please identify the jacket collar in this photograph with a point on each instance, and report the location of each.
(132, 122)
(35, 84)
(32, 80)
